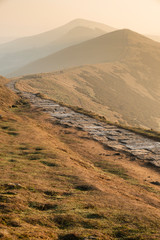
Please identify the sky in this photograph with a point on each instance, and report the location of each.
(29, 17)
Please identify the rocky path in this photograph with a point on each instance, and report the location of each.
(112, 136)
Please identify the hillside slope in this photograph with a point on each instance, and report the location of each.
(126, 88)
(108, 47)
(57, 183)
(77, 35)
(46, 38)
(7, 98)
(115, 46)
(24, 50)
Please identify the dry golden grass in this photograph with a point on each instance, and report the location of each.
(6, 96)
(57, 183)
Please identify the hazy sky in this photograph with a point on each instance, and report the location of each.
(27, 17)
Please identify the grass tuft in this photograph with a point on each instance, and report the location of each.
(65, 221)
(69, 237)
(42, 206)
(85, 187)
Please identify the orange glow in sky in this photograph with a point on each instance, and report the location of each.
(27, 17)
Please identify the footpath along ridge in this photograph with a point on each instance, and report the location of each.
(115, 137)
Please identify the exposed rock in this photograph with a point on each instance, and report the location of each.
(114, 137)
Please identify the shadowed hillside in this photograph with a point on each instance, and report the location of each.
(121, 45)
(20, 52)
(126, 88)
(46, 38)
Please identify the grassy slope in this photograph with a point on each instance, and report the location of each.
(57, 181)
(126, 89)
(6, 98)
(104, 89)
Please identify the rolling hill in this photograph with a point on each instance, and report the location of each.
(108, 47)
(123, 82)
(19, 52)
(48, 37)
(115, 46)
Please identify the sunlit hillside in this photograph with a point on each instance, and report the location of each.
(59, 184)
(7, 98)
(124, 88)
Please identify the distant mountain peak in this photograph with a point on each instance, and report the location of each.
(114, 46)
(130, 36)
(81, 21)
(91, 24)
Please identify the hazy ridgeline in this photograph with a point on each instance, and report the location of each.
(116, 75)
(122, 84)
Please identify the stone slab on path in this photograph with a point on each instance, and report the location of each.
(112, 136)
